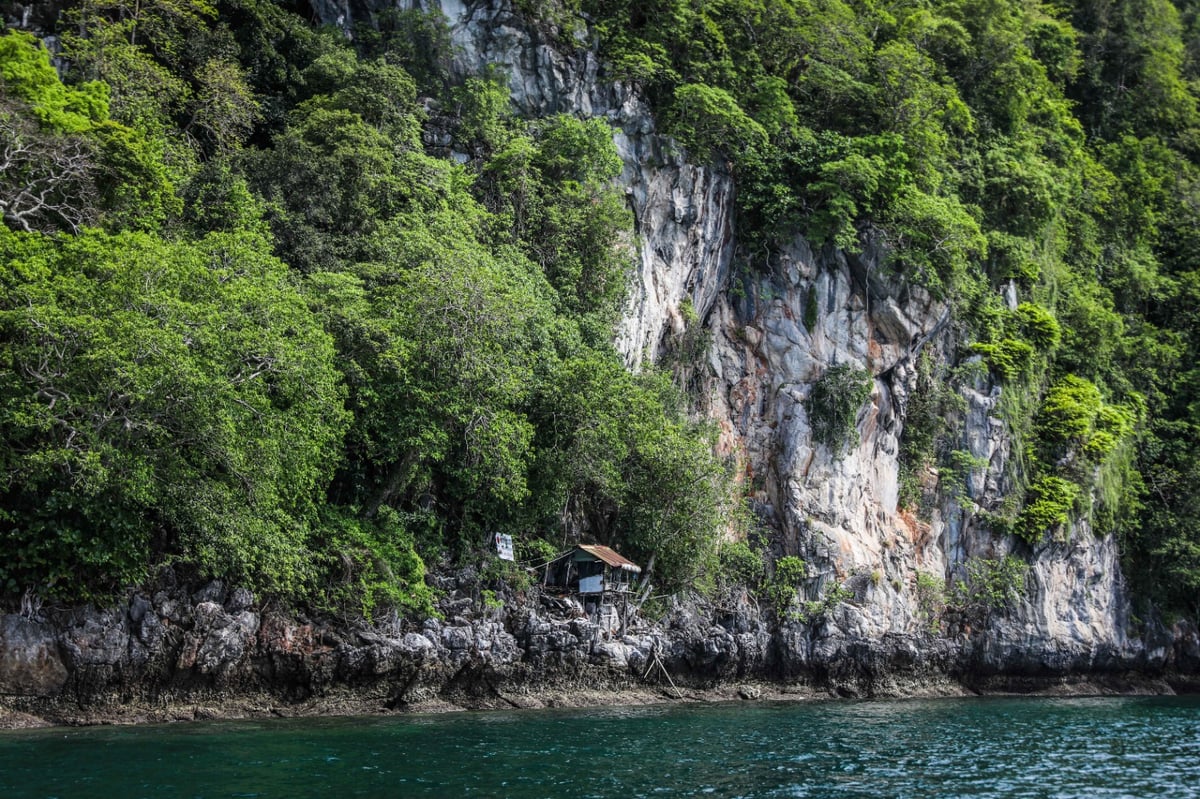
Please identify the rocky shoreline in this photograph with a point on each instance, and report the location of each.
(173, 655)
(16, 715)
(350, 703)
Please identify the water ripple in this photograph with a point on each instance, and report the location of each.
(1011, 748)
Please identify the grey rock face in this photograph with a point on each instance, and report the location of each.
(30, 664)
(218, 640)
(839, 510)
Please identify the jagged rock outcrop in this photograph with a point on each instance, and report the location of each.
(178, 655)
(29, 661)
(838, 510)
(212, 645)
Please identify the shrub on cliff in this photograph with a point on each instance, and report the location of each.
(833, 404)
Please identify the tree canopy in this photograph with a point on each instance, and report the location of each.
(309, 309)
(253, 329)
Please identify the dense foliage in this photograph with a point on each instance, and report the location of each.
(256, 321)
(253, 329)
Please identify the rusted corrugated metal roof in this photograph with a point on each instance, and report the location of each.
(610, 557)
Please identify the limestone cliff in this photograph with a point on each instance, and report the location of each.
(837, 510)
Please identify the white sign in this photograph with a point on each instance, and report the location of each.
(504, 546)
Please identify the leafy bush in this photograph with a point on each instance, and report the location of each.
(371, 567)
(931, 600)
(991, 585)
(1074, 422)
(500, 575)
(710, 122)
(935, 239)
(534, 551)
(1008, 358)
(781, 589)
(1038, 326)
(1048, 504)
(933, 405)
(812, 308)
(816, 609)
(834, 403)
(741, 564)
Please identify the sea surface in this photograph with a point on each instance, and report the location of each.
(994, 747)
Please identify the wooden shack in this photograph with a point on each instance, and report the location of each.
(592, 570)
(601, 577)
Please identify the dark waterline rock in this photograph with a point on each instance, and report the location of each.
(181, 655)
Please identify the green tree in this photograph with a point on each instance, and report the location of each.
(65, 162)
(709, 121)
(159, 400)
(617, 461)
(347, 162)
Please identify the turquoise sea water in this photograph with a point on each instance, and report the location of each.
(1124, 747)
